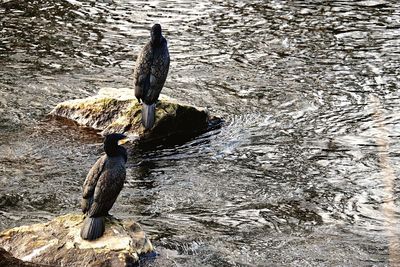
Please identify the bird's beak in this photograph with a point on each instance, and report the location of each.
(123, 141)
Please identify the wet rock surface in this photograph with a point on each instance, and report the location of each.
(58, 243)
(117, 110)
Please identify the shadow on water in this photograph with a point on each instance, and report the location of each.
(302, 171)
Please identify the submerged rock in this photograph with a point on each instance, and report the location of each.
(117, 110)
(58, 243)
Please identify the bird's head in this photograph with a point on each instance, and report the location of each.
(112, 144)
(156, 35)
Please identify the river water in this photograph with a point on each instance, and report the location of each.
(304, 170)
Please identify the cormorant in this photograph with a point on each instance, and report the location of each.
(102, 186)
(150, 73)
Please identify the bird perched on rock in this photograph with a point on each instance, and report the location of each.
(102, 186)
(150, 73)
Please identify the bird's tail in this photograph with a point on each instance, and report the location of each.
(148, 115)
(92, 228)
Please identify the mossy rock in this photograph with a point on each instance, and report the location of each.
(58, 243)
(117, 110)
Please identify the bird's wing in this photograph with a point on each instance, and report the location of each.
(107, 189)
(141, 73)
(90, 183)
(159, 73)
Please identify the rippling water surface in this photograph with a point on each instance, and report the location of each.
(303, 173)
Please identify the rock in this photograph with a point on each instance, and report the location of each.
(58, 243)
(117, 110)
(6, 259)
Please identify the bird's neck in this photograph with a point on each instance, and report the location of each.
(116, 151)
(157, 43)
(111, 149)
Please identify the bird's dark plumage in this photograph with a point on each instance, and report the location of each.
(150, 73)
(102, 186)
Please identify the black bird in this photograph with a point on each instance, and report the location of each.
(102, 186)
(150, 73)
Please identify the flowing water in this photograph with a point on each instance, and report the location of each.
(304, 170)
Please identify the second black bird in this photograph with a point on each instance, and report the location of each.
(102, 186)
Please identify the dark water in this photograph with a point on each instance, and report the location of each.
(303, 173)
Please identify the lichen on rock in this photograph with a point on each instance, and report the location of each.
(58, 243)
(117, 110)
